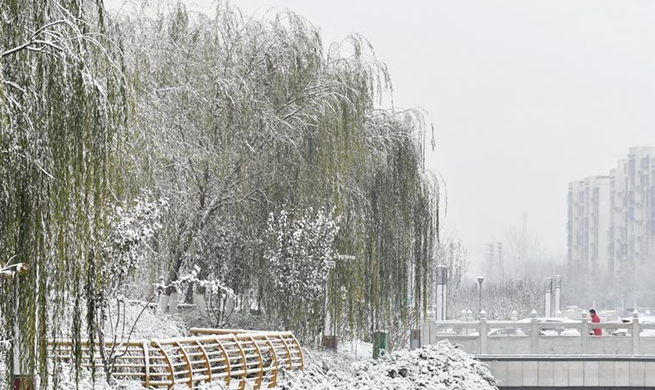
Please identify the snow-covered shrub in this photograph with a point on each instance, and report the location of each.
(131, 227)
(298, 256)
(301, 253)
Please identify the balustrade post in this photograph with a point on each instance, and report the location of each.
(483, 329)
(584, 332)
(534, 333)
(514, 316)
(635, 333)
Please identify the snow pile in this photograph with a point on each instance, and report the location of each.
(439, 367)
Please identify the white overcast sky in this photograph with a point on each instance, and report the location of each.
(525, 95)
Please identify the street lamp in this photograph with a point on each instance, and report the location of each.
(480, 280)
(330, 319)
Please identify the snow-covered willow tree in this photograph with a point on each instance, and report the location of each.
(390, 228)
(62, 104)
(241, 116)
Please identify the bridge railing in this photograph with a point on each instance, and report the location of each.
(534, 337)
(235, 358)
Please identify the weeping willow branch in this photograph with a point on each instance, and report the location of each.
(61, 130)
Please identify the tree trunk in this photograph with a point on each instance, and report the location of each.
(162, 305)
(201, 304)
(172, 303)
(189, 294)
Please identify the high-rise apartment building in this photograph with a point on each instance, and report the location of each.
(618, 233)
(611, 219)
(632, 236)
(588, 224)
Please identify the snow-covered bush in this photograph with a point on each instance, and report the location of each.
(299, 255)
(131, 227)
(302, 252)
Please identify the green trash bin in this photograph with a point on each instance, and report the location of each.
(379, 344)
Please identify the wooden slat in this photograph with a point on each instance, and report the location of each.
(274, 362)
(168, 360)
(146, 364)
(242, 385)
(188, 363)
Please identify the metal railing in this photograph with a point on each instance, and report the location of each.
(210, 355)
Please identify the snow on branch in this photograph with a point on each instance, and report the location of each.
(301, 252)
(212, 285)
(131, 227)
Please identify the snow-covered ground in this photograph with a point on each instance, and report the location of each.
(435, 367)
(439, 367)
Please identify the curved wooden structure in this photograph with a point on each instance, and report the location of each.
(234, 357)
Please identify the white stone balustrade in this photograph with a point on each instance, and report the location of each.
(544, 338)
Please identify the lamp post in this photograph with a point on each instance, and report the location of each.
(329, 333)
(548, 292)
(440, 308)
(480, 280)
(558, 294)
(330, 319)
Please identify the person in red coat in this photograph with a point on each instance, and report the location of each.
(595, 318)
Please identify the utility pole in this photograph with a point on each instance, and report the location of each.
(329, 333)
(480, 298)
(441, 310)
(330, 339)
(490, 265)
(558, 293)
(524, 244)
(501, 269)
(548, 293)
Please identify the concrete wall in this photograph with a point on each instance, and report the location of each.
(582, 371)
